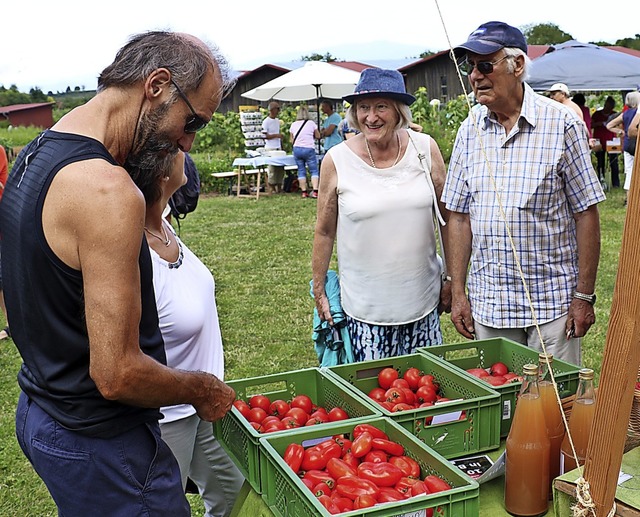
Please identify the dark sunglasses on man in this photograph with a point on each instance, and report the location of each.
(194, 122)
(484, 67)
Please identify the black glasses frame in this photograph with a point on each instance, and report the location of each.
(484, 67)
(194, 122)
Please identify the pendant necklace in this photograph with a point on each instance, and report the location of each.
(373, 163)
(166, 240)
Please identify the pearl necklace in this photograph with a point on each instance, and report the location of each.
(166, 240)
(373, 163)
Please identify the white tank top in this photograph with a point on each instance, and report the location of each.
(386, 245)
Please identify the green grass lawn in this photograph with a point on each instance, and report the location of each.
(260, 254)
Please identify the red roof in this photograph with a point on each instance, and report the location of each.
(21, 107)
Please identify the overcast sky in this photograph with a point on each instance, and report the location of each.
(55, 45)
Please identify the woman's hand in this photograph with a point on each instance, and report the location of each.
(322, 306)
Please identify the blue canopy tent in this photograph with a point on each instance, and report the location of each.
(585, 67)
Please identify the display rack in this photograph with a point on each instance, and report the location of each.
(251, 125)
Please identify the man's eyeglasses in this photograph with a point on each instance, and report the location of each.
(484, 67)
(194, 122)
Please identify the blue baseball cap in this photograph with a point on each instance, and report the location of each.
(491, 37)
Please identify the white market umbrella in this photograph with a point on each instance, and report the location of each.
(314, 80)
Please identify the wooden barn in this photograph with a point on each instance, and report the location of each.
(37, 114)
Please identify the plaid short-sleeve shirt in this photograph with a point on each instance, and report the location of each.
(543, 175)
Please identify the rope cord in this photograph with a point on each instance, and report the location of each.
(584, 496)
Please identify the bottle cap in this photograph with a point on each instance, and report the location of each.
(543, 357)
(530, 369)
(585, 374)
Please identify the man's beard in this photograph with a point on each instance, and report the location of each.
(152, 153)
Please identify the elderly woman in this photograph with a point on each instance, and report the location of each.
(185, 298)
(378, 194)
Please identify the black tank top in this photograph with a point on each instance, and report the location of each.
(44, 298)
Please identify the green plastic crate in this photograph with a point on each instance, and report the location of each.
(286, 495)
(483, 353)
(479, 428)
(241, 441)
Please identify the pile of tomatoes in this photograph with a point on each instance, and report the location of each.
(411, 391)
(267, 416)
(353, 474)
(497, 375)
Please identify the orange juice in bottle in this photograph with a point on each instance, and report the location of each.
(526, 490)
(580, 420)
(552, 416)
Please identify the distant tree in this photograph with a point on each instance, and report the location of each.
(426, 53)
(37, 95)
(68, 90)
(13, 96)
(633, 43)
(545, 34)
(328, 58)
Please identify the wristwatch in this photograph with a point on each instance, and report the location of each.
(591, 298)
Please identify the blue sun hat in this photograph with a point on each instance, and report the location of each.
(491, 37)
(378, 82)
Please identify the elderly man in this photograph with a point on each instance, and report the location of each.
(559, 92)
(273, 142)
(78, 283)
(523, 197)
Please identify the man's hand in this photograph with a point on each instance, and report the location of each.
(445, 298)
(461, 316)
(580, 318)
(218, 401)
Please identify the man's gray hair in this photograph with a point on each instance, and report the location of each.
(514, 52)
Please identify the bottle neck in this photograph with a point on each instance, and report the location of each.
(585, 391)
(530, 386)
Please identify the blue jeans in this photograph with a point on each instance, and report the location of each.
(306, 157)
(134, 473)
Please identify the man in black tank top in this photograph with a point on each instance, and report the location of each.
(78, 283)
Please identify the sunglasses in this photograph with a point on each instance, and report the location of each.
(484, 67)
(194, 122)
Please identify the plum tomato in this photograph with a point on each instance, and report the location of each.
(260, 401)
(303, 402)
(386, 377)
(435, 484)
(498, 368)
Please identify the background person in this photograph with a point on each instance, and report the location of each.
(329, 127)
(93, 375)
(550, 203)
(559, 92)
(185, 296)
(599, 121)
(378, 201)
(304, 133)
(4, 174)
(579, 99)
(620, 126)
(273, 142)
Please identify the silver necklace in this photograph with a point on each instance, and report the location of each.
(166, 240)
(373, 163)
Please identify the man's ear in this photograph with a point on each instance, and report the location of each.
(157, 83)
(518, 68)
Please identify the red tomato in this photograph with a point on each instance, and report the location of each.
(364, 501)
(382, 474)
(495, 380)
(368, 428)
(274, 426)
(293, 455)
(419, 488)
(344, 443)
(435, 484)
(409, 396)
(338, 468)
(478, 372)
(349, 458)
(268, 419)
(308, 483)
(386, 377)
(313, 459)
(318, 418)
(328, 503)
(344, 504)
(377, 394)
(299, 414)
(337, 413)
(321, 489)
(352, 487)
(260, 401)
(400, 383)
(403, 406)
(256, 426)
(361, 444)
(278, 408)
(243, 407)
(302, 402)
(426, 393)
(427, 378)
(290, 422)
(405, 484)
(376, 457)
(257, 415)
(498, 369)
(319, 476)
(412, 376)
(395, 395)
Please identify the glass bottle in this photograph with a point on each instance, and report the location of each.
(526, 490)
(552, 416)
(580, 420)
